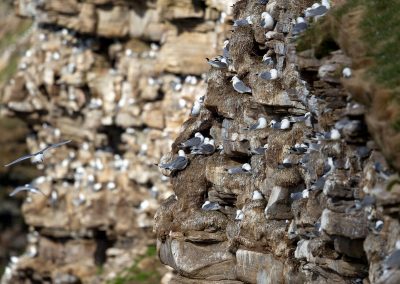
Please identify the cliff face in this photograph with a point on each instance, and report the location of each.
(118, 78)
(326, 216)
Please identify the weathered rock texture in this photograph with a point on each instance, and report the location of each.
(331, 217)
(118, 78)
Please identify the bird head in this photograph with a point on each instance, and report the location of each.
(181, 153)
(246, 167)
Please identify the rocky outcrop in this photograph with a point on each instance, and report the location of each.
(117, 78)
(325, 214)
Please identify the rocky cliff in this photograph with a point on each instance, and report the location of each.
(322, 212)
(118, 78)
(319, 203)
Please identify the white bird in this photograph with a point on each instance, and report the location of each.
(239, 215)
(243, 22)
(257, 195)
(245, 168)
(38, 157)
(207, 148)
(300, 26)
(283, 124)
(26, 187)
(267, 22)
(210, 206)
(268, 75)
(197, 106)
(260, 124)
(239, 86)
(193, 142)
(218, 62)
(267, 60)
(346, 72)
(334, 134)
(316, 10)
(178, 164)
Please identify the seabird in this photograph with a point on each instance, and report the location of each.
(300, 195)
(257, 195)
(268, 75)
(300, 26)
(299, 149)
(210, 206)
(283, 124)
(286, 163)
(225, 50)
(38, 157)
(193, 142)
(316, 10)
(306, 118)
(260, 124)
(197, 106)
(239, 215)
(178, 164)
(239, 86)
(243, 22)
(385, 174)
(263, 2)
(267, 22)
(218, 62)
(207, 148)
(259, 150)
(267, 60)
(26, 187)
(346, 72)
(245, 168)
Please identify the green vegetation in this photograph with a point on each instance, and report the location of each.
(11, 36)
(139, 275)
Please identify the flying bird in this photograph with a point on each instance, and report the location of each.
(38, 157)
(26, 187)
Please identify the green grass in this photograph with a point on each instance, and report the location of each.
(134, 274)
(12, 36)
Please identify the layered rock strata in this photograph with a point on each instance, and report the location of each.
(117, 78)
(328, 214)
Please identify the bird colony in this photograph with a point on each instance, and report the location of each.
(293, 188)
(118, 79)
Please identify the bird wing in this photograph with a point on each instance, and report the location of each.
(192, 142)
(19, 160)
(254, 126)
(18, 189)
(179, 163)
(51, 146)
(241, 87)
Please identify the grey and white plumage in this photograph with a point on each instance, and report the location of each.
(316, 10)
(263, 2)
(334, 134)
(38, 157)
(178, 164)
(287, 163)
(218, 62)
(257, 195)
(307, 118)
(268, 75)
(267, 22)
(299, 195)
(346, 72)
(210, 206)
(197, 106)
(243, 22)
(260, 124)
(267, 60)
(26, 187)
(300, 26)
(245, 168)
(206, 148)
(283, 124)
(299, 149)
(225, 50)
(239, 86)
(259, 150)
(193, 142)
(239, 215)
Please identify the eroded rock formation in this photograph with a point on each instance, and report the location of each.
(329, 215)
(118, 78)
